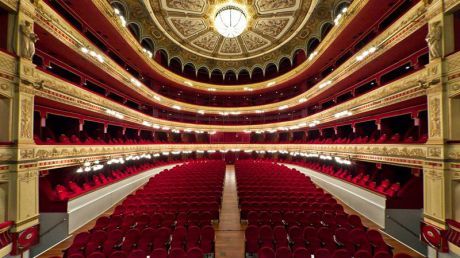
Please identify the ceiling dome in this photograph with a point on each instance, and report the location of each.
(264, 32)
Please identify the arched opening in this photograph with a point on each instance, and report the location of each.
(271, 71)
(312, 45)
(243, 76)
(325, 29)
(285, 65)
(190, 71)
(162, 57)
(230, 77)
(299, 57)
(118, 6)
(257, 74)
(340, 8)
(148, 44)
(175, 65)
(217, 76)
(135, 30)
(203, 74)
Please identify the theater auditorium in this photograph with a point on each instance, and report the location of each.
(230, 128)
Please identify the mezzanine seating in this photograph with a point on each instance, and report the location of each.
(170, 216)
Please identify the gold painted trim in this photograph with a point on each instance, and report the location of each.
(395, 92)
(397, 31)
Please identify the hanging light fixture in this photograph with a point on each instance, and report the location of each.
(230, 21)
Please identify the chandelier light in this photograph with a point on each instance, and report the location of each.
(230, 21)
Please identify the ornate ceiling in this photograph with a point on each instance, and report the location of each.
(184, 30)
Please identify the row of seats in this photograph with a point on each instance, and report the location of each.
(361, 178)
(374, 138)
(319, 229)
(331, 220)
(137, 227)
(73, 139)
(110, 174)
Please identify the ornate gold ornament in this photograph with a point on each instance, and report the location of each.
(434, 40)
(28, 40)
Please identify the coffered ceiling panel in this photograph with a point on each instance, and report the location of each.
(185, 29)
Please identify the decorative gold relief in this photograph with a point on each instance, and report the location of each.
(28, 40)
(187, 5)
(434, 40)
(26, 118)
(230, 46)
(207, 42)
(188, 26)
(178, 21)
(434, 152)
(271, 27)
(253, 42)
(270, 5)
(26, 153)
(435, 117)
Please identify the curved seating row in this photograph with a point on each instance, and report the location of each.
(108, 175)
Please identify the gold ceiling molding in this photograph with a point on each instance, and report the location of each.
(393, 35)
(58, 90)
(189, 24)
(55, 156)
(184, 30)
(139, 12)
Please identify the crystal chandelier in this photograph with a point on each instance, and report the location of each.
(230, 21)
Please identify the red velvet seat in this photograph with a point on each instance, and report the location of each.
(138, 253)
(301, 253)
(118, 254)
(341, 253)
(266, 252)
(283, 252)
(96, 255)
(177, 253)
(322, 253)
(382, 254)
(159, 253)
(363, 254)
(252, 239)
(195, 252)
(207, 239)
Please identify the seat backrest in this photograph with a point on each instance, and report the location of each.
(118, 254)
(195, 252)
(177, 253)
(382, 254)
(301, 252)
(322, 253)
(283, 252)
(362, 254)
(266, 252)
(207, 233)
(159, 253)
(341, 253)
(138, 253)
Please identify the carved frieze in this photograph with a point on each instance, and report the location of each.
(26, 118)
(434, 116)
